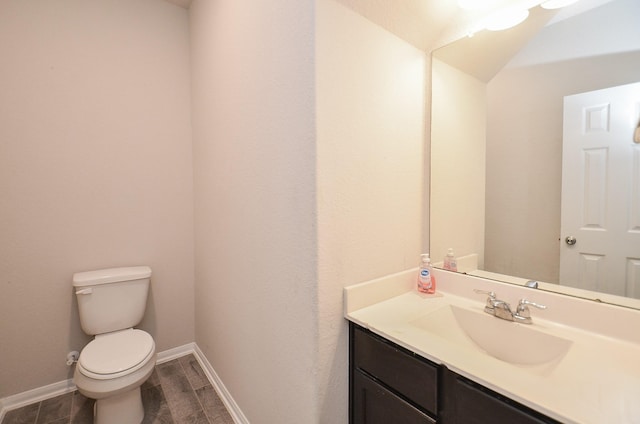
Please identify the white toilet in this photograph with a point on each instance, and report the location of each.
(113, 366)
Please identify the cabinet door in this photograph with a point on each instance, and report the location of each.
(373, 404)
(470, 403)
(405, 373)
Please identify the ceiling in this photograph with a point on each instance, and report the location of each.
(484, 54)
(423, 23)
(419, 22)
(430, 24)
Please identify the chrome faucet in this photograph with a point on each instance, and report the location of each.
(501, 309)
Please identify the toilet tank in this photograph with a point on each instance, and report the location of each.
(111, 299)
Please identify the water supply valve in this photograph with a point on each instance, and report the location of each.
(72, 357)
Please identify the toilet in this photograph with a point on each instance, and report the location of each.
(113, 366)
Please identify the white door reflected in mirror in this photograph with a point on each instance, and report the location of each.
(601, 191)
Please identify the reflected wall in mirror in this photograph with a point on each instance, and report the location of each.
(497, 139)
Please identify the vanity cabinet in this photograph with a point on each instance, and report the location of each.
(375, 404)
(389, 384)
(467, 402)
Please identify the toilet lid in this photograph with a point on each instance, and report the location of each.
(116, 352)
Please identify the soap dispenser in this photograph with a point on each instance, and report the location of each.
(426, 280)
(450, 261)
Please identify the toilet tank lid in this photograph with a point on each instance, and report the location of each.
(111, 275)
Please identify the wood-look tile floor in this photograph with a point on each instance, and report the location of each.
(178, 392)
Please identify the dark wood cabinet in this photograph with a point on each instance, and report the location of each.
(467, 402)
(375, 404)
(389, 384)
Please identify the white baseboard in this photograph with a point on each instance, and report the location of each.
(36, 395)
(223, 393)
(174, 353)
(66, 386)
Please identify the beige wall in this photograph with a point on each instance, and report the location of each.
(370, 126)
(458, 134)
(95, 171)
(255, 169)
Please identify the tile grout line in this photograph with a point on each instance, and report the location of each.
(164, 396)
(38, 413)
(162, 390)
(184, 373)
(204, 411)
(73, 402)
(194, 391)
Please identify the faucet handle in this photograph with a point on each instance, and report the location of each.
(522, 311)
(524, 302)
(491, 301)
(491, 294)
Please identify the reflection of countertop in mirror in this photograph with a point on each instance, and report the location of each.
(557, 288)
(596, 381)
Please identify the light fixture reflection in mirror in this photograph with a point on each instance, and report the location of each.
(505, 14)
(518, 239)
(479, 4)
(505, 19)
(557, 4)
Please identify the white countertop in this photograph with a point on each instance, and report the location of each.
(597, 381)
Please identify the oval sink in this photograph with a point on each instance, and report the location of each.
(508, 341)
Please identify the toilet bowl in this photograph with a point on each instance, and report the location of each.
(120, 358)
(111, 369)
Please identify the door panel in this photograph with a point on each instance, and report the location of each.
(601, 191)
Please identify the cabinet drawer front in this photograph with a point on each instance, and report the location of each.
(373, 404)
(405, 373)
(476, 404)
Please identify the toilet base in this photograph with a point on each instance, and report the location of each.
(125, 408)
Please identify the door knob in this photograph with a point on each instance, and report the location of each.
(570, 240)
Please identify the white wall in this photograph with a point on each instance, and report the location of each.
(95, 171)
(255, 189)
(458, 139)
(270, 325)
(370, 125)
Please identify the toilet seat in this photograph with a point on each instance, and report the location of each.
(116, 354)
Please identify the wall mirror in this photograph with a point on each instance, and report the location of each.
(497, 129)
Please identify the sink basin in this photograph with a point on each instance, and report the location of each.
(508, 341)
